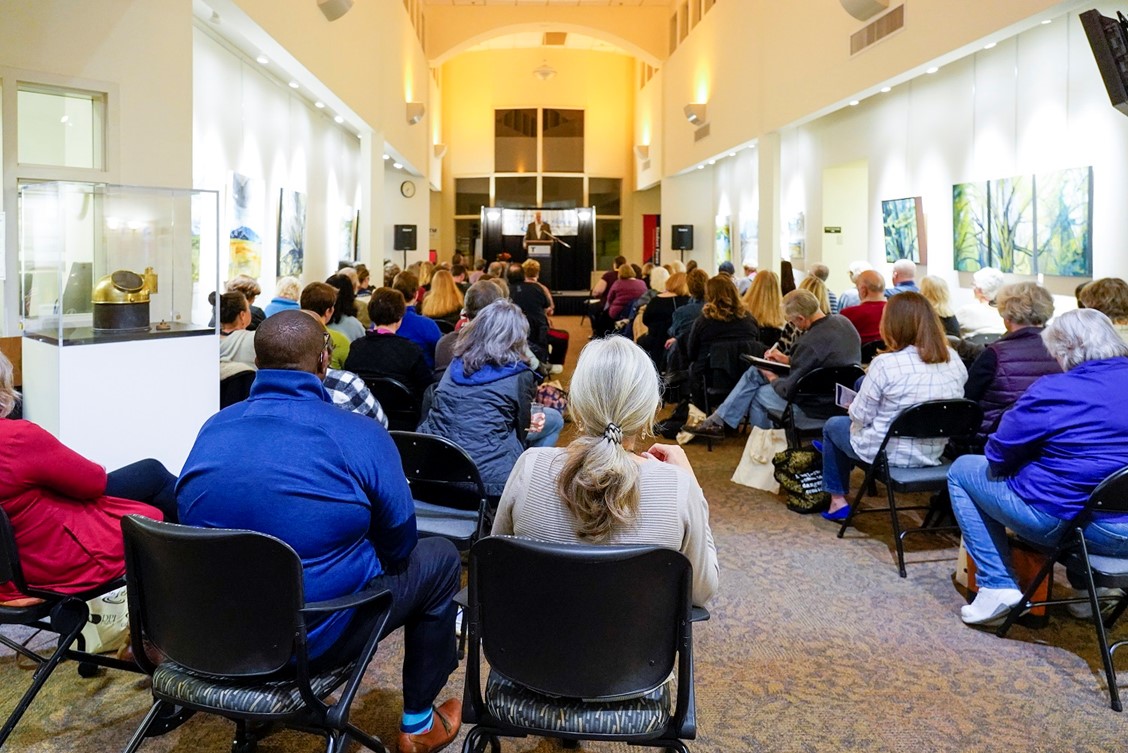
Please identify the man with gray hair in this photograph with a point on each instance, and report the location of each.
(821, 272)
(850, 296)
(743, 283)
(904, 270)
(826, 341)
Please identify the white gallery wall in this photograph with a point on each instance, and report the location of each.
(1032, 103)
(246, 122)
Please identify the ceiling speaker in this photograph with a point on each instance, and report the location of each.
(334, 9)
(864, 9)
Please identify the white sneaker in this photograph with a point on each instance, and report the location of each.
(1083, 610)
(990, 605)
(556, 369)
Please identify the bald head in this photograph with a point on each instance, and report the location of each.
(871, 285)
(290, 340)
(903, 269)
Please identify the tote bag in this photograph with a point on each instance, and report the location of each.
(755, 468)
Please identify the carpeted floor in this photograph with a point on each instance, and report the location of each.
(815, 645)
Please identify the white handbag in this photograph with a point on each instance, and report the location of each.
(755, 468)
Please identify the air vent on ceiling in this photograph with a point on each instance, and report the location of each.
(701, 132)
(554, 38)
(892, 21)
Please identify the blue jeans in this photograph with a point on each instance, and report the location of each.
(549, 433)
(986, 507)
(751, 398)
(838, 455)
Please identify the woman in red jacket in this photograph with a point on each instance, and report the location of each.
(66, 510)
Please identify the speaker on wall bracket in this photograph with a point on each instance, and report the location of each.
(334, 9)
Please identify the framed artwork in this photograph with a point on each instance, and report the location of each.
(246, 220)
(291, 233)
(346, 238)
(1027, 224)
(722, 245)
(902, 221)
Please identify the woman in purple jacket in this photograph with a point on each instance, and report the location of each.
(624, 291)
(1064, 436)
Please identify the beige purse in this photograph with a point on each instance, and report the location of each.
(755, 468)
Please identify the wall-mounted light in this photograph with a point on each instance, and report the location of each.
(493, 215)
(695, 114)
(544, 71)
(440, 151)
(415, 112)
(334, 9)
(583, 214)
(642, 151)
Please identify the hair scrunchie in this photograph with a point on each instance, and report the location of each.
(613, 434)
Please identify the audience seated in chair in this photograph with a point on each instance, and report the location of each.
(66, 510)
(935, 290)
(684, 318)
(320, 300)
(287, 291)
(850, 297)
(918, 366)
(1007, 367)
(415, 327)
(659, 316)
(1063, 436)
(980, 317)
(483, 402)
(624, 292)
(345, 506)
(904, 272)
(343, 320)
(534, 304)
(1108, 295)
(723, 319)
(236, 342)
(444, 300)
(866, 314)
(826, 341)
(600, 488)
(764, 302)
(250, 288)
(383, 351)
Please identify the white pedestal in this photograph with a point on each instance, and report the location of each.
(117, 403)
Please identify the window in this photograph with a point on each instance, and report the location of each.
(60, 127)
(561, 193)
(515, 192)
(466, 235)
(605, 194)
(607, 242)
(515, 141)
(470, 195)
(563, 140)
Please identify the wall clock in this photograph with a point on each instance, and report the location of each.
(407, 188)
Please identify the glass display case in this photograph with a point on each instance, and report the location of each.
(105, 263)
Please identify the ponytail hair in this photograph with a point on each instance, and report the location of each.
(613, 397)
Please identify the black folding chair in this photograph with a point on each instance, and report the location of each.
(934, 419)
(400, 405)
(1095, 570)
(62, 614)
(444, 325)
(818, 385)
(869, 350)
(611, 624)
(450, 499)
(225, 611)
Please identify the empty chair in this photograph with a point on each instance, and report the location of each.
(934, 419)
(230, 647)
(612, 624)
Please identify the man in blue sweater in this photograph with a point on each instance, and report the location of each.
(329, 483)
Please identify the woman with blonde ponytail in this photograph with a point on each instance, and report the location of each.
(598, 490)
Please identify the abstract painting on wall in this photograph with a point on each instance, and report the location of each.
(346, 239)
(1027, 224)
(902, 220)
(291, 233)
(246, 222)
(723, 244)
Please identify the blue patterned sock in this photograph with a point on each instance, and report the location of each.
(416, 722)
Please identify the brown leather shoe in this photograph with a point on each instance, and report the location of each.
(445, 722)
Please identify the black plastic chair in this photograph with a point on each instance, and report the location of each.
(444, 325)
(450, 499)
(984, 338)
(62, 614)
(611, 624)
(236, 388)
(724, 368)
(400, 405)
(869, 350)
(819, 384)
(232, 646)
(933, 419)
(1096, 571)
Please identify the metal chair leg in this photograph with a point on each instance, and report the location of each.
(898, 537)
(1098, 622)
(143, 730)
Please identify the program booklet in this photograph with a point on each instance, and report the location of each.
(763, 363)
(843, 396)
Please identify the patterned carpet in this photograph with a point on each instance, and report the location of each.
(815, 645)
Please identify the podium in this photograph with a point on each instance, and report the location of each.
(541, 251)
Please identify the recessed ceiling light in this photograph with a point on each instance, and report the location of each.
(989, 45)
(397, 165)
(262, 59)
(338, 119)
(853, 103)
(387, 157)
(1047, 21)
(732, 154)
(64, 119)
(701, 167)
(712, 162)
(886, 89)
(293, 84)
(932, 70)
(319, 105)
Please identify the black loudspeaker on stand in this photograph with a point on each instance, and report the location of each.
(682, 238)
(404, 240)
